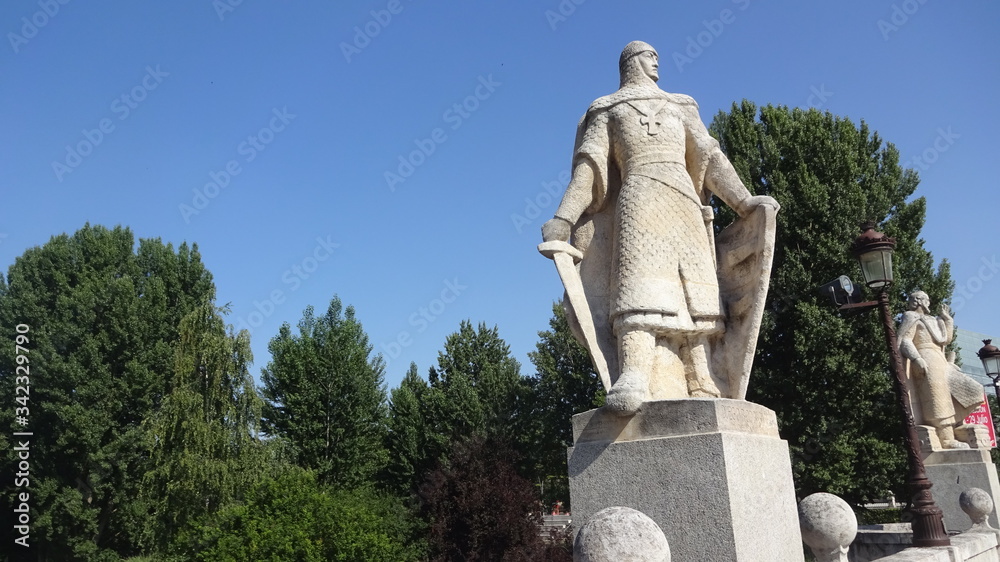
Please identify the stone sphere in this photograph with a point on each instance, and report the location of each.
(620, 534)
(827, 522)
(977, 504)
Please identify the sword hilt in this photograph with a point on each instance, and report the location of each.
(551, 248)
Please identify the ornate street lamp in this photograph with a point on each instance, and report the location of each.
(874, 253)
(990, 356)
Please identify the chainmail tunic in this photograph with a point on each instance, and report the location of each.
(663, 253)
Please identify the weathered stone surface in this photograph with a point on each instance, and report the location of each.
(828, 526)
(953, 472)
(666, 309)
(874, 542)
(976, 436)
(719, 493)
(665, 418)
(966, 547)
(618, 534)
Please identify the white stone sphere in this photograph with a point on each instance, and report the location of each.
(827, 522)
(620, 534)
(977, 504)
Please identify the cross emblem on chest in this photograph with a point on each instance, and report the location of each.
(649, 114)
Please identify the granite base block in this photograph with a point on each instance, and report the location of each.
(955, 471)
(712, 473)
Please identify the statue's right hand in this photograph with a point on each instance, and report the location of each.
(922, 363)
(556, 229)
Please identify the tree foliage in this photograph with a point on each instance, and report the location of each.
(565, 384)
(480, 509)
(476, 389)
(204, 444)
(103, 317)
(407, 437)
(826, 375)
(326, 395)
(293, 517)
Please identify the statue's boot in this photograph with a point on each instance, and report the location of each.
(637, 353)
(946, 433)
(699, 379)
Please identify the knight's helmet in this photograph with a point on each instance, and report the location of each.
(631, 72)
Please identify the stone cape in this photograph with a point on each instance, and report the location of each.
(742, 252)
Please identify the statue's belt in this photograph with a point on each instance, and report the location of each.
(640, 166)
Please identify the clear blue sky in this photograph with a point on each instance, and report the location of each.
(308, 104)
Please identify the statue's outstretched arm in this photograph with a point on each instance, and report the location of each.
(588, 184)
(578, 196)
(947, 324)
(720, 176)
(579, 193)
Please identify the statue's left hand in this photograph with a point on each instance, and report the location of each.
(758, 200)
(945, 310)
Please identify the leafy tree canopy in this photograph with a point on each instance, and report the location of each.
(293, 517)
(326, 396)
(204, 444)
(104, 317)
(565, 384)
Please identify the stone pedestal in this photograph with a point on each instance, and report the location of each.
(713, 474)
(955, 471)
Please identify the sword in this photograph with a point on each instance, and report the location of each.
(566, 257)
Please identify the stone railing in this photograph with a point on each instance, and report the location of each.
(830, 529)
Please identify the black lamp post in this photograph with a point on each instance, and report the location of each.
(874, 252)
(990, 356)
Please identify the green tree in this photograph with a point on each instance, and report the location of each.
(293, 517)
(826, 375)
(204, 445)
(407, 435)
(565, 383)
(327, 397)
(476, 389)
(103, 317)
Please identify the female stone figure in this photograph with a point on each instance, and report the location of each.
(922, 340)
